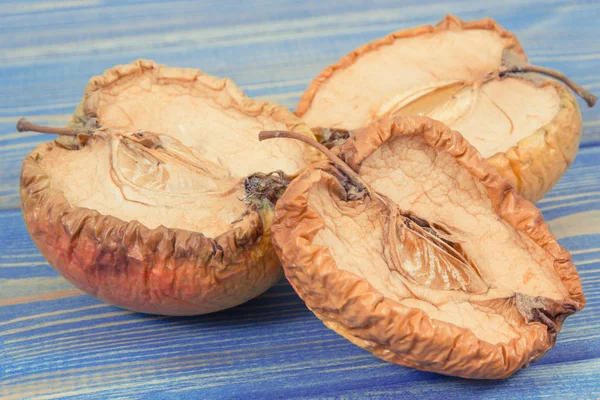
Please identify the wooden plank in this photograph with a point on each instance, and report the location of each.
(271, 346)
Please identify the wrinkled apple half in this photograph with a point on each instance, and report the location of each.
(151, 199)
(474, 77)
(414, 248)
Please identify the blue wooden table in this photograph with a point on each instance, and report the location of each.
(57, 342)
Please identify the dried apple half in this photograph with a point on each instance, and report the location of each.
(474, 77)
(415, 249)
(153, 198)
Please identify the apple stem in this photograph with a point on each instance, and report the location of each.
(589, 98)
(335, 160)
(25, 126)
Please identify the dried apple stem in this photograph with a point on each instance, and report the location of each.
(25, 126)
(335, 160)
(589, 98)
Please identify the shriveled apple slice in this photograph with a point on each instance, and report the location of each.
(154, 199)
(474, 77)
(415, 248)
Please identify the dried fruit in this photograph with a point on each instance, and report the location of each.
(151, 200)
(417, 250)
(474, 77)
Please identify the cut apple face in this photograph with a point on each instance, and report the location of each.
(412, 246)
(149, 178)
(158, 197)
(494, 115)
(474, 77)
(210, 116)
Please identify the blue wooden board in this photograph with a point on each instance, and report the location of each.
(56, 342)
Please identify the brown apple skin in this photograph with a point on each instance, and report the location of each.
(158, 271)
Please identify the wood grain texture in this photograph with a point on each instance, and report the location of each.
(56, 342)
